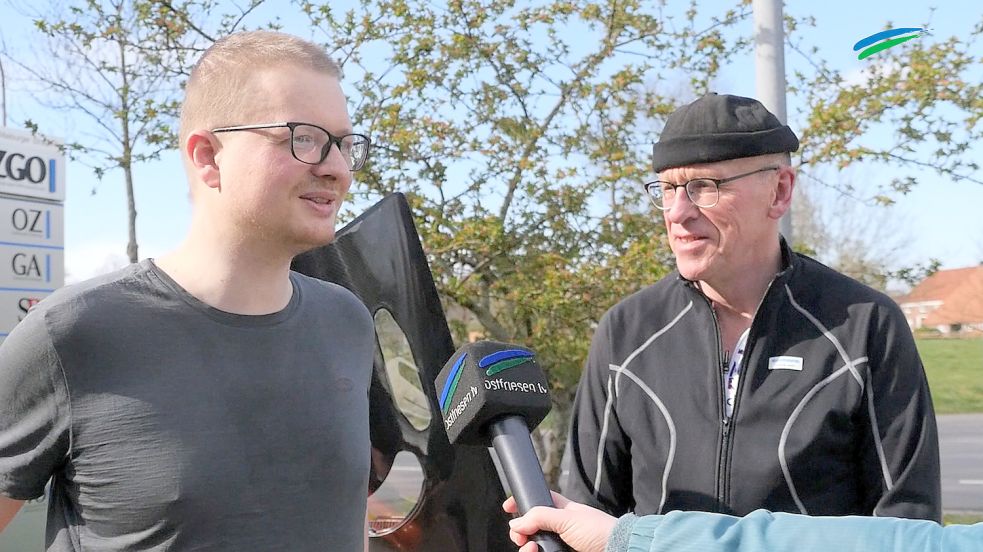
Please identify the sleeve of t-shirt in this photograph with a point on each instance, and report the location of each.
(34, 410)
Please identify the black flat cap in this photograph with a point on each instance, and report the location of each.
(718, 127)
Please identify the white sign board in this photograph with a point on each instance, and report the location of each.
(31, 165)
(31, 268)
(32, 219)
(27, 275)
(30, 222)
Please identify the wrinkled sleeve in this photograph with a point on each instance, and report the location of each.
(776, 532)
(597, 462)
(34, 410)
(900, 453)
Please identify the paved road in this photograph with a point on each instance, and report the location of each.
(960, 440)
(961, 444)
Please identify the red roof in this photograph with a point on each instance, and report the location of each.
(961, 293)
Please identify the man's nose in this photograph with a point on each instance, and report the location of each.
(682, 208)
(334, 164)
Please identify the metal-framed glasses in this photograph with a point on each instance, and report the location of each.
(703, 192)
(311, 144)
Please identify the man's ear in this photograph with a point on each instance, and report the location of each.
(202, 148)
(782, 200)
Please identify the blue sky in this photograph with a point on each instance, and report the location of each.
(942, 218)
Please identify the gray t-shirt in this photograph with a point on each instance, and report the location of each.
(167, 424)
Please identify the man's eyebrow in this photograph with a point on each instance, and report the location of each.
(343, 130)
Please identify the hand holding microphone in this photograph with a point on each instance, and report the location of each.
(583, 528)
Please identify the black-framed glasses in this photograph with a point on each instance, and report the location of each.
(703, 192)
(311, 144)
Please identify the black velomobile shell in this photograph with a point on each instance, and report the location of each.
(378, 256)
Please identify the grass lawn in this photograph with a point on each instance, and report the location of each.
(965, 519)
(955, 373)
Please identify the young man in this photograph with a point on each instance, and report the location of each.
(210, 399)
(752, 377)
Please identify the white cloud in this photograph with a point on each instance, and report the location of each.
(88, 259)
(93, 259)
(861, 74)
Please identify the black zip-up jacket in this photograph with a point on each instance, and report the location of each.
(832, 416)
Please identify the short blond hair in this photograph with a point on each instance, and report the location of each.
(216, 92)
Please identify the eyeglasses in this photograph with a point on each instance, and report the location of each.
(311, 144)
(703, 192)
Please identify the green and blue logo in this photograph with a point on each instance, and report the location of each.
(450, 386)
(886, 39)
(503, 360)
(492, 364)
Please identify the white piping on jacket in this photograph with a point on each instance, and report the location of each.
(604, 436)
(791, 419)
(851, 364)
(877, 434)
(609, 404)
(832, 339)
(669, 422)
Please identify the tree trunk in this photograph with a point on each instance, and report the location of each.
(131, 246)
(127, 161)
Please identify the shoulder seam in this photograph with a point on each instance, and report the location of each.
(68, 390)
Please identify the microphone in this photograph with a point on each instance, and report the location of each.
(495, 392)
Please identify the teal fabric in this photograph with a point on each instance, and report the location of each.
(777, 532)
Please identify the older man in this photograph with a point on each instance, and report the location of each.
(210, 399)
(752, 377)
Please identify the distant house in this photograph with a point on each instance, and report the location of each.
(949, 301)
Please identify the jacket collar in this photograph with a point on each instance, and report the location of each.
(789, 259)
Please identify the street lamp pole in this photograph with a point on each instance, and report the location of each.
(769, 70)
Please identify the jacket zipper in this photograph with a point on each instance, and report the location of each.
(721, 369)
(728, 426)
(727, 422)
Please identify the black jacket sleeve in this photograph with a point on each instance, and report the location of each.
(900, 455)
(597, 462)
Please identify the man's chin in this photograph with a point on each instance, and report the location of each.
(691, 270)
(314, 244)
(303, 244)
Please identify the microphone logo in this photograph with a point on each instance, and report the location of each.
(503, 360)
